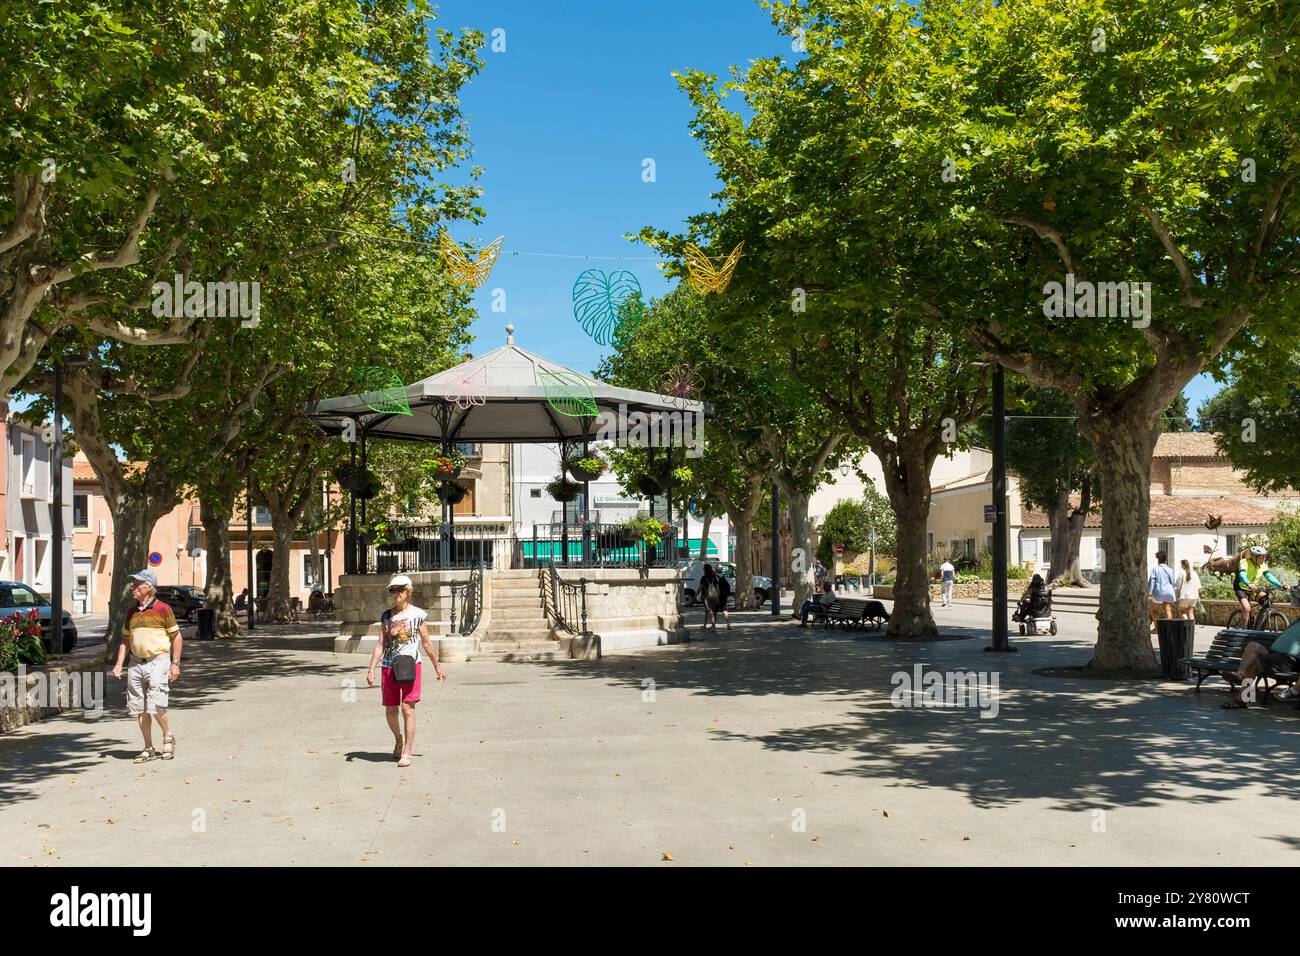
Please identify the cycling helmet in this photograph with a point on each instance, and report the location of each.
(1258, 552)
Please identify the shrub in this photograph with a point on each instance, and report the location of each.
(20, 640)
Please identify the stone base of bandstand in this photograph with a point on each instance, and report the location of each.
(627, 609)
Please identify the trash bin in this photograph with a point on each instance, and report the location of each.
(207, 617)
(1175, 639)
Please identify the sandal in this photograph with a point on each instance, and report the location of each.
(168, 748)
(405, 761)
(145, 755)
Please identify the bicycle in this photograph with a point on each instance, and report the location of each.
(1265, 618)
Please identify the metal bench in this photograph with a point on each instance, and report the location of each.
(1224, 657)
(856, 613)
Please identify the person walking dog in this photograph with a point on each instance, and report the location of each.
(404, 628)
(154, 640)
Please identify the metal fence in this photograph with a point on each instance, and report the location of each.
(467, 545)
(464, 620)
(603, 546)
(565, 602)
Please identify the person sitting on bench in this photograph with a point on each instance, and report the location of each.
(1258, 660)
(818, 607)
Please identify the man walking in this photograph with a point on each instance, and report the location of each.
(154, 640)
(948, 574)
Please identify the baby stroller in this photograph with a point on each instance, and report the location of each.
(1034, 613)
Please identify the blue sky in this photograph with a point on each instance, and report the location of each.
(561, 122)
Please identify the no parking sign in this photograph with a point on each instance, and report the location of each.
(155, 559)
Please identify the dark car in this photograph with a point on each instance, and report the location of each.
(184, 601)
(16, 597)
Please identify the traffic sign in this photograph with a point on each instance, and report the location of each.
(155, 558)
(990, 514)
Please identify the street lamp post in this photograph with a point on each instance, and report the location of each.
(1000, 557)
(56, 577)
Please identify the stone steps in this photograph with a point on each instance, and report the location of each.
(522, 650)
(513, 615)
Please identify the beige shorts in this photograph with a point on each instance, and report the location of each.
(146, 685)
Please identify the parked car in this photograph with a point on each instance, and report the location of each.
(692, 571)
(16, 597)
(184, 601)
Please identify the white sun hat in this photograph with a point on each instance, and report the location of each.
(400, 581)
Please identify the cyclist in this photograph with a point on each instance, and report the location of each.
(1251, 570)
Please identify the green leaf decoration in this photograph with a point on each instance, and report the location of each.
(568, 393)
(603, 303)
(381, 390)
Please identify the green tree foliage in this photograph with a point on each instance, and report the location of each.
(1256, 427)
(850, 524)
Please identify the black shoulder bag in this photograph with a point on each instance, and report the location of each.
(403, 665)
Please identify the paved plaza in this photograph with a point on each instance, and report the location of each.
(771, 745)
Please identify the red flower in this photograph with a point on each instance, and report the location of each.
(33, 615)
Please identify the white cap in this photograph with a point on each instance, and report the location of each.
(400, 581)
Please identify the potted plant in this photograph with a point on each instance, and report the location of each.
(562, 489)
(448, 465)
(452, 492)
(650, 531)
(586, 467)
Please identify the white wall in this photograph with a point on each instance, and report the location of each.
(534, 466)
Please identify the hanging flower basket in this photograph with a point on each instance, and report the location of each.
(563, 490)
(650, 531)
(586, 467)
(358, 480)
(452, 492)
(448, 467)
(648, 485)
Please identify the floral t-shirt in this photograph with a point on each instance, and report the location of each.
(401, 633)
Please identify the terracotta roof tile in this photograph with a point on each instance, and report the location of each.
(1180, 511)
(1186, 445)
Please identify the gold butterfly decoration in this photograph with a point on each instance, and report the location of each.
(468, 272)
(471, 390)
(704, 277)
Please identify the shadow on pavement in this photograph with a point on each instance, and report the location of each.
(1079, 743)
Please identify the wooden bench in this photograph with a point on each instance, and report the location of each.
(856, 612)
(1224, 657)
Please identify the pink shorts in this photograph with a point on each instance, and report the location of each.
(395, 693)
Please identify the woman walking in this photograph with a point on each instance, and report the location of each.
(403, 629)
(714, 591)
(1189, 591)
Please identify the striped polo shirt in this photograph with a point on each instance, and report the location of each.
(149, 630)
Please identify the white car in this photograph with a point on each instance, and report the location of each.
(692, 571)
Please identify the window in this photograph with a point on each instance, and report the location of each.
(970, 547)
(29, 464)
(1234, 544)
(929, 542)
(261, 515)
(313, 572)
(534, 492)
(81, 511)
(1167, 546)
(16, 595)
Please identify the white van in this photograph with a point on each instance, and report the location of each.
(692, 571)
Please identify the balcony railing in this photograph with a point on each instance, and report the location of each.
(470, 544)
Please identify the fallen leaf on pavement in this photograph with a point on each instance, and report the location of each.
(667, 856)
